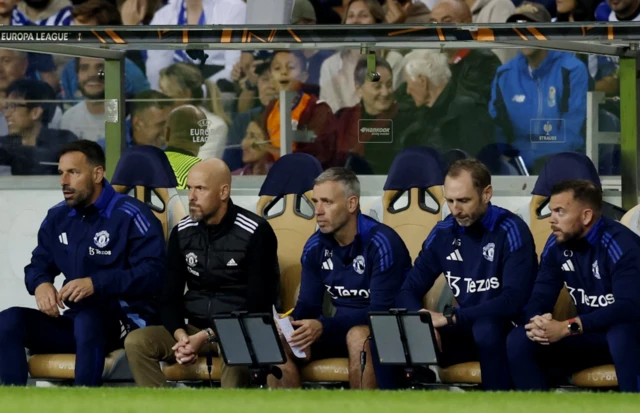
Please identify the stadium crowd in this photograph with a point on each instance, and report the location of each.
(528, 103)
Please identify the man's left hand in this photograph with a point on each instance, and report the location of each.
(76, 290)
(307, 333)
(186, 350)
(554, 330)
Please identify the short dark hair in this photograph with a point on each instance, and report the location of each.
(150, 99)
(37, 94)
(104, 12)
(360, 74)
(583, 190)
(90, 149)
(480, 175)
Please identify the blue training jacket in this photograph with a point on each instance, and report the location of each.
(600, 271)
(117, 242)
(542, 111)
(363, 276)
(489, 266)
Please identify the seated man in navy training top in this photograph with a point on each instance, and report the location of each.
(598, 260)
(111, 250)
(361, 264)
(488, 257)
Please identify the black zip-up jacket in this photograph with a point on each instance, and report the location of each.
(232, 266)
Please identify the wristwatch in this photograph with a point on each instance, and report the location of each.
(574, 327)
(448, 313)
(210, 337)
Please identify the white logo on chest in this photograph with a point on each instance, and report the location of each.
(101, 239)
(192, 259)
(358, 264)
(488, 251)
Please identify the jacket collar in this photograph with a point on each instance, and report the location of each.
(101, 204)
(544, 68)
(593, 236)
(487, 222)
(363, 234)
(226, 222)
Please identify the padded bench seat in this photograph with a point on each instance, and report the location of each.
(467, 373)
(594, 377)
(62, 366)
(328, 370)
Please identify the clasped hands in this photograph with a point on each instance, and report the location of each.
(545, 330)
(186, 349)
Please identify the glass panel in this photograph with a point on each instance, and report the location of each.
(511, 108)
(36, 117)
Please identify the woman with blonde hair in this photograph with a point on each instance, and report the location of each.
(337, 85)
(184, 83)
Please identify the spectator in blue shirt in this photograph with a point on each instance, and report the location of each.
(361, 264)
(597, 259)
(488, 257)
(539, 98)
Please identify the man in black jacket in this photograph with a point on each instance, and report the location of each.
(227, 257)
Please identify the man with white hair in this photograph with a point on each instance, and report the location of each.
(454, 118)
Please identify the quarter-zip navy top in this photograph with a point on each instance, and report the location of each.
(360, 277)
(601, 272)
(490, 266)
(117, 242)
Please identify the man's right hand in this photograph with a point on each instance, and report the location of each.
(48, 300)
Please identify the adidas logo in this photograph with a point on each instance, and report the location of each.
(454, 256)
(327, 265)
(63, 238)
(568, 266)
(232, 263)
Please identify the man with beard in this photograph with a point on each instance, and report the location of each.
(110, 248)
(227, 257)
(488, 257)
(86, 119)
(624, 10)
(597, 259)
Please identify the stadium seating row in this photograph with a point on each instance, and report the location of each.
(416, 174)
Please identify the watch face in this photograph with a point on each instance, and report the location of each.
(574, 327)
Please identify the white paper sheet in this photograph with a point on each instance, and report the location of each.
(287, 329)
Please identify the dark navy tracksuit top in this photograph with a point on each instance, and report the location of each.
(117, 242)
(361, 277)
(489, 266)
(601, 272)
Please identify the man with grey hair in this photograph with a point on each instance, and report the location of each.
(361, 264)
(454, 118)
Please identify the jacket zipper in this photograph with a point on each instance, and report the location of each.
(539, 99)
(84, 233)
(206, 270)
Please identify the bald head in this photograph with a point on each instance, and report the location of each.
(209, 184)
(214, 170)
(451, 11)
(186, 125)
